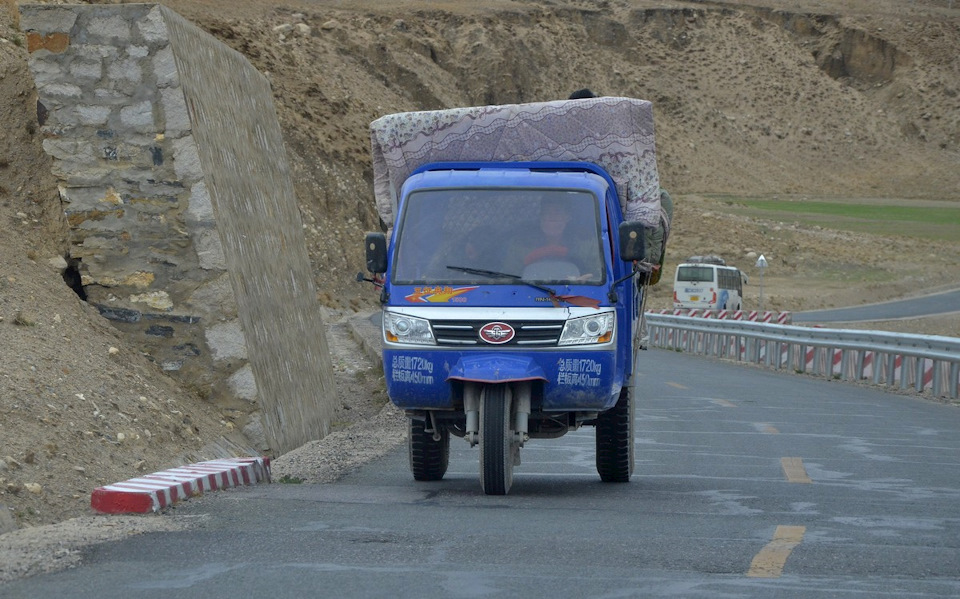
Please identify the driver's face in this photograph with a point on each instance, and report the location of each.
(553, 220)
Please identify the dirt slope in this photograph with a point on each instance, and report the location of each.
(850, 99)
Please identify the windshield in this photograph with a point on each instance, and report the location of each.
(499, 236)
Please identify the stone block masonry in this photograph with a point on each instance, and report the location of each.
(184, 224)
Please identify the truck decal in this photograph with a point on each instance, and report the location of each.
(439, 294)
(411, 369)
(578, 372)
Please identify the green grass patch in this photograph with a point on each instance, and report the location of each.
(922, 219)
(950, 216)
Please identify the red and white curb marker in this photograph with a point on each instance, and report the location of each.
(153, 492)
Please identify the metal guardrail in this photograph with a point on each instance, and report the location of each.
(921, 362)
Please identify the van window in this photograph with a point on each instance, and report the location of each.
(695, 274)
(729, 279)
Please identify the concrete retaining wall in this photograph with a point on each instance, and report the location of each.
(184, 224)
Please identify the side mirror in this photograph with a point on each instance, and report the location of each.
(631, 241)
(376, 250)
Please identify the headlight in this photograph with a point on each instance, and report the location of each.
(597, 328)
(399, 328)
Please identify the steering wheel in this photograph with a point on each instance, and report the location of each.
(545, 252)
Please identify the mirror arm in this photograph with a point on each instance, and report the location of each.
(612, 294)
(376, 283)
(628, 276)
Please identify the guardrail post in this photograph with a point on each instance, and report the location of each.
(891, 369)
(918, 371)
(904, 372)
(954, 380)
(936, 378)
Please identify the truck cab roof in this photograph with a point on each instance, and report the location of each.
(576, 175)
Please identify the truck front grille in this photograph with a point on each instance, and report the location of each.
(536, 333)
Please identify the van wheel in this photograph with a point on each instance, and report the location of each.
(428, 458)
(615, 440)
(496, 441)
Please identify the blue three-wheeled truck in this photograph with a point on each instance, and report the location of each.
(512, 282)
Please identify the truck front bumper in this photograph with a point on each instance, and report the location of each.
(571, 379)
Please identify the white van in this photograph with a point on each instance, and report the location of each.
(707, 283)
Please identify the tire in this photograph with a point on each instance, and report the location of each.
(428, 458)
(496, 441)
(615, 440)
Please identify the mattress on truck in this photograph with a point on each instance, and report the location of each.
(614, 133)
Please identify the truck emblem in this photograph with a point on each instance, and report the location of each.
(496, 332)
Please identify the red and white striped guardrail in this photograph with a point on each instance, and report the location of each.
(153, 492)
(738, 315)
(750, 316)
(816, 360)
(921, 362)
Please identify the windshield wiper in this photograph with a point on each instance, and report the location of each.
(500, 275)
(573, 300)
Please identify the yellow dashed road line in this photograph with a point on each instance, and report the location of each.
(723, 403)
(771, 559)
(793, 468)
(676, 385)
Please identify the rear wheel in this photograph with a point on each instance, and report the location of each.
(496, 441)
(615, 440)
(428, 458)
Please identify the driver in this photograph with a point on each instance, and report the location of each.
(556, 238)
(550, 243)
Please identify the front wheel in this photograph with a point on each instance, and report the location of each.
(615, 440)
(496, 441)
(428, 458)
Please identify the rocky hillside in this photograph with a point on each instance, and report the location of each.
(852, 98)
(748, 100)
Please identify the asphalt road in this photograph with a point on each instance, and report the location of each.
(750, 483)
(928, 305)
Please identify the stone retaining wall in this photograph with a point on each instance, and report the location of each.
(184, 224)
